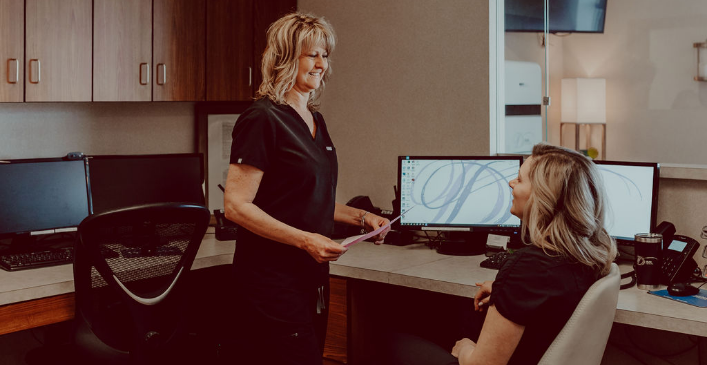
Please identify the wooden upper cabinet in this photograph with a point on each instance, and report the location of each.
(229, 45)
(264, 14)
(12, 50)
(179, 51)
(122, 50)
(58, 50)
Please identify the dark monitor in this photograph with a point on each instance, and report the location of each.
(458, 194)
(565, 16)
(119, 181)
(42, 196)
(632, 198)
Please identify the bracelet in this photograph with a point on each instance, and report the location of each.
(363, 219)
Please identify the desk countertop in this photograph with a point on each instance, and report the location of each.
(23, 285)
(414, 266)
(417, 266)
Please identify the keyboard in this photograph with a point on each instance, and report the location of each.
(156, 251)
(495, 261)
(36, 259)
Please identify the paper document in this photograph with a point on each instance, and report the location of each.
(356, 239)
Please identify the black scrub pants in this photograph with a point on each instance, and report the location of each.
(261, 340)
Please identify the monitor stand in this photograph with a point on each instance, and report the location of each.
(463, 243)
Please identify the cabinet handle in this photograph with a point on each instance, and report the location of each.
(164, 74)
(250, 76)
(146, 73)
(39, 71)
(9, 71)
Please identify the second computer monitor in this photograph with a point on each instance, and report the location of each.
(458, 193)
(632, 197)
(122, 181)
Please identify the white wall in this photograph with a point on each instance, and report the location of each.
(409, 78)
(33, 130)
(655, 110)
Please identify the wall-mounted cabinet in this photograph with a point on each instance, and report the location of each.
(179, 50)
(235, 41)
(122, 50)
(147, 50)
(229, 34)
(12, 37)
(134, 50)
(58, 50)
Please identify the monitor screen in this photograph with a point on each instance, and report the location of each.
(121, 181)
(632, 197)
(566, 16)
(458, 193)
(39, 196)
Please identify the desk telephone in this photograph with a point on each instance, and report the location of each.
(678, 264)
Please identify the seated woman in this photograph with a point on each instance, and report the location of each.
(559, 197)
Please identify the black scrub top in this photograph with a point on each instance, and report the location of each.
(298, 188)
(540, 292)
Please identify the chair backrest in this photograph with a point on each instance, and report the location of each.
(130, 267)
(583, 339)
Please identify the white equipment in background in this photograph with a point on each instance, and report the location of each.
(523, 126)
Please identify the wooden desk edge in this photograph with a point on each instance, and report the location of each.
(36, 313)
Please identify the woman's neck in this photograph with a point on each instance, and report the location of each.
(297, 100)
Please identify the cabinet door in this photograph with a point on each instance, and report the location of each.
(264, 14)
(122, 50)
(12, 37)
(179, 51)
(229, 50)
(58, 50)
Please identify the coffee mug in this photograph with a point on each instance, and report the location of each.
(649, 253)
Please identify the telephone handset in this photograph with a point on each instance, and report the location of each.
(678, 264)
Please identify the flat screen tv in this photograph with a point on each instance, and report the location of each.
(566, 16)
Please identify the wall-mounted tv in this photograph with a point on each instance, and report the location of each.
(566, 16)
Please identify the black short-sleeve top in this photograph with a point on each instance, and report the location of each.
(539, 291)
(297, 188)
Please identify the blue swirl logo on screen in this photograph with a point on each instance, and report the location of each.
(463, 192)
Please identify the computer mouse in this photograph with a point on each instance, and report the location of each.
(682, 289)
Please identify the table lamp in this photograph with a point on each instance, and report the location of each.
(584, 104)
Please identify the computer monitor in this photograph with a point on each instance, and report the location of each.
(119, 181)
(632, 198)
(41, 196)
(458, 194)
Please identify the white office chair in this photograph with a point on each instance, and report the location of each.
(583, 339)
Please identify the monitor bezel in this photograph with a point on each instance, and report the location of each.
(508, 230)
(655, 192)
(4, 235)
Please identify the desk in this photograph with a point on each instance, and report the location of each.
(44, 296)
(38, 297)
(419, 267)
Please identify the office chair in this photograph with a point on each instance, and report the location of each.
(583, 339)
(130, 270)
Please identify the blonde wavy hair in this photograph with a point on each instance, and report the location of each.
(566, 207)
(287, 38)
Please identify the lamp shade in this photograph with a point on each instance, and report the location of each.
(584, 101)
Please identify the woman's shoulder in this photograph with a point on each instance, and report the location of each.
(262, 109)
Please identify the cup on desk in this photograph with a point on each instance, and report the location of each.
(649, 252)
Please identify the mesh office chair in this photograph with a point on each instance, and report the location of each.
(583, 339)
(130, 268)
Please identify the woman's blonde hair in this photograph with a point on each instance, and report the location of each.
(566, 208)
(287, 38)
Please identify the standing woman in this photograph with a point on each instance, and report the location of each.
(281, 190)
